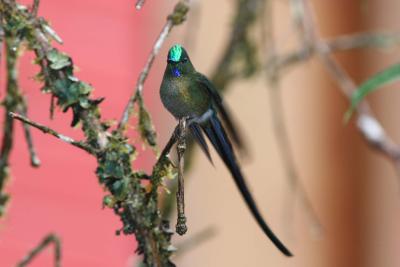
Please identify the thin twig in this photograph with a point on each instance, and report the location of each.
(176, 18)
(23, 109)
(1, 37)
(181, 227)
(10, 103)
(363, 40)
(139, 4)
(170, 143)
(239, 46)
(52, 106)
(35, 8)
(48, 240)
(287, 157)
(338, 44)
(280, 129)
(136, 207)
(367, 124)
(169, 199)
(50, 131)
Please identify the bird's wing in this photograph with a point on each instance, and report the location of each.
(223, 111)
(216, 133)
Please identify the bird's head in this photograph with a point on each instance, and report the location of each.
(178, 61)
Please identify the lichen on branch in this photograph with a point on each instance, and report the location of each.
(128, 195)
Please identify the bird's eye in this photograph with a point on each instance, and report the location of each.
(184, 60)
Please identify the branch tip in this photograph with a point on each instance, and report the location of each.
(48, 240)
(139, 4)
(52, 132)
(176, 18)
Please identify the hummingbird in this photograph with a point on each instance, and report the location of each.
(188, 94)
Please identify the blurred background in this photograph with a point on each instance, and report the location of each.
(353, 189)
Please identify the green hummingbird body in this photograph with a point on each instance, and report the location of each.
(187, 93)
(182, 96)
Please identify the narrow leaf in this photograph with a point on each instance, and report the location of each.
(385, 77)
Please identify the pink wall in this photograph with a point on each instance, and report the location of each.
(109, 42)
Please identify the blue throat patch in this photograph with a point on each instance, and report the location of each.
(175, 53)
(176, 72)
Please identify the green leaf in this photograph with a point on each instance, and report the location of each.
(385, 77)
(84, 102)
(58, 60)
(84, 88)
(120, 188)
(109, 201)
(146, 127)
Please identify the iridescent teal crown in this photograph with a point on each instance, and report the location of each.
(175, 53)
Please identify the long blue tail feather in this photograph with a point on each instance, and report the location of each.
(219, 139)
(197, 134)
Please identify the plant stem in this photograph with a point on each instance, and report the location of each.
(48, 240)
(181, 227)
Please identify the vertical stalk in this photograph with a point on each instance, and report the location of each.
(10, 103)
(181, 227)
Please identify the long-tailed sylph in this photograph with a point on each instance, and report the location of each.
(188, 94)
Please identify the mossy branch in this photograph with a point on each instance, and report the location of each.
(50, 131)
(136, 206)
(13, 101)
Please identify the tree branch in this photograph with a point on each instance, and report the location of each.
(139, 4)
(367, 124)
(128, 197)
(48, 240)
(50, 131)
(337, 44)
(10, 103)
(240, 48)
(172, 141)
(35, 7)
(23, 109)
(280, 129)
(181, 227)
(1, 36)
(175, 18)
(363, 40)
